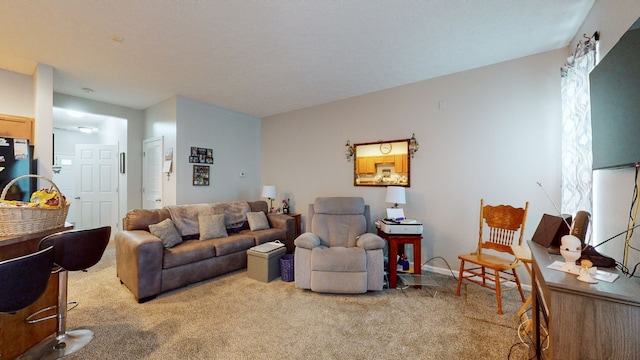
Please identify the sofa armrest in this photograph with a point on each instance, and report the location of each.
(139, 262)
(140, 219)
(370, 241)
(307, 240)
(285, 222)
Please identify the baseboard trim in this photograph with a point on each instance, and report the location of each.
(446, 271)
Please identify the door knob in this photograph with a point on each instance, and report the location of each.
(77, 197)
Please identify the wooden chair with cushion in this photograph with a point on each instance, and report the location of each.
(491, 269)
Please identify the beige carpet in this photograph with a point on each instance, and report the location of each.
(235, 317)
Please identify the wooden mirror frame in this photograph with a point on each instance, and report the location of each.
(378, 164)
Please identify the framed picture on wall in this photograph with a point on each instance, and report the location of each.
(201, 155)
(200, 175)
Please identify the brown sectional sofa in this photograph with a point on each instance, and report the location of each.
(147, 268)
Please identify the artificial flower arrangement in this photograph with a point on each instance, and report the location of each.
(285, 206)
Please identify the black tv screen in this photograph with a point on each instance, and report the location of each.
(615, 104)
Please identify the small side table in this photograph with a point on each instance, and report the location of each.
(395, 240)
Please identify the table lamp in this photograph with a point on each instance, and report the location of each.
(269, 192)
(395, 195)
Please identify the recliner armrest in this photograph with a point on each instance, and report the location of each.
(370, 241)
(307, 241)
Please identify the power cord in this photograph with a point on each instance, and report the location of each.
(445, 261)
(528, 340)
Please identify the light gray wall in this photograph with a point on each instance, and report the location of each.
(235, 140)
(65, 140)
(613, 189)
(16, 94)
(495, 135)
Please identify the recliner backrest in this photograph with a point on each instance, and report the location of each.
(338, 221)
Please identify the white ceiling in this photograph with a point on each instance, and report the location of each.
(267, 57)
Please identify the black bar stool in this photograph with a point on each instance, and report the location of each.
(75, 250)
(23, 280)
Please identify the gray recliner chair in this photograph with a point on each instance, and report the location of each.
(338, 255)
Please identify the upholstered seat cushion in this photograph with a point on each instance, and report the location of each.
(233, 244)
(191, 251)
(338, 259)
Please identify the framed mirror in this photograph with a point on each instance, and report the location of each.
(382, 163)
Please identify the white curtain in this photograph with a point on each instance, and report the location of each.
(577, 178)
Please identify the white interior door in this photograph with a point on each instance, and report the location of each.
(64, 178)
(152, 173)
(96, 186)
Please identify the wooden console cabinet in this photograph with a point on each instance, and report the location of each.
(584, 321)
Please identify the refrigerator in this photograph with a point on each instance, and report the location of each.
(16, 159)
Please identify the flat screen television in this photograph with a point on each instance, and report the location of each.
(615, 104)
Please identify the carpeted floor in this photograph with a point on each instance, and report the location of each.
(235, 317)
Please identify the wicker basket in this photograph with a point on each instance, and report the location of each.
(29, 220)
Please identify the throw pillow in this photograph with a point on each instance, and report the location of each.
(212, 226)
(257, 220)
(167, 232)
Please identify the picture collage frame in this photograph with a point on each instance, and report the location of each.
(201, 155)
(201, 173)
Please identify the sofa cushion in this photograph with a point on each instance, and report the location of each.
(212, 226)
(188, 252)
(257, 220)
(338, 230)
(192, 251)
(338, 259)
(267, 235)
(233, 244)
(167, 232)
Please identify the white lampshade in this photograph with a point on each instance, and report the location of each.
(269, 191)
(395, 194)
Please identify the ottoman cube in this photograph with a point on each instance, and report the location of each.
(264, 265)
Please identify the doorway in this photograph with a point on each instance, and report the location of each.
(152, 173)
(96, 186)
(108, 134)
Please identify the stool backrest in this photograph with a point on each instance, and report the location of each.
(78, 249)
(24, 279)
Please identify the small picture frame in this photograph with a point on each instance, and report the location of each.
(200, 175)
